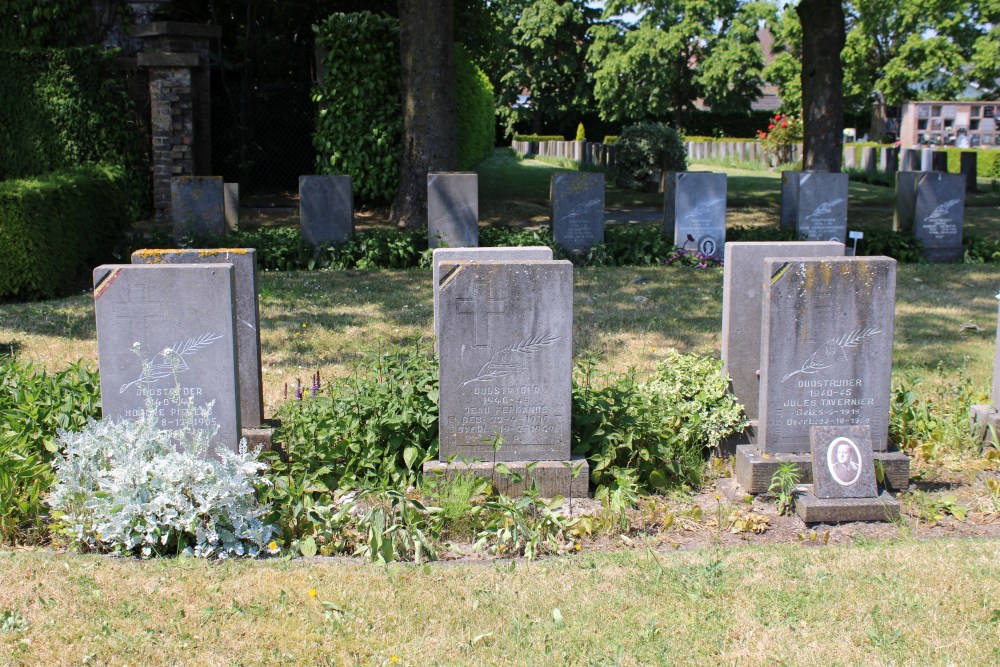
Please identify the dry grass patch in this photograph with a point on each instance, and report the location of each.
(793, 604)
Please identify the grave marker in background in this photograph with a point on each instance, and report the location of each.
(906, 200)
(326, 209)
(453, 210)
(231, 197)
(197, 207)
(821, 206)
(577, 201)
(695, 208)
(160, 327)
(938, 212)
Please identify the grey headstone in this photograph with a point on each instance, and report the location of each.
(850, 156)
(577, 200)
(906, 200)
(891, 165)
(505, 354)
(969, 168)
(869, 159)
(513, 253)
(909, 159)
(821, 210)
(826, 348)
(196, 206)
(938, 215)
(695, 208)
(160, 326)
(926, 159)
(326, 209)
(939, 160)
(453, 210)
(789, 198)
(244, 261)
(231, 196)
(742, 294)
(842, 462)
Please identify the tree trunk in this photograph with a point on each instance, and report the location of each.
(430, 140)
(823, 32)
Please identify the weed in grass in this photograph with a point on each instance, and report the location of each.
(933, 508)
(11, 620)
(880, 636)
(783, 484)
(933, 422)
(460, 498)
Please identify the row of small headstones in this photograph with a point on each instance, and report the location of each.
(930, 205)
(806, 338)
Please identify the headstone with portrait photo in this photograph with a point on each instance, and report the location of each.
(694, 212)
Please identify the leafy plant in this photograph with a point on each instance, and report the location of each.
(125, 486)
(527, 526)
(930, 418)
(780, 139)
(783, 484)
(457, 496)
(645, 149)
(933, 508)
(396, 527)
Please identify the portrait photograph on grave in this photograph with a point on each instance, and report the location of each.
(842, 462)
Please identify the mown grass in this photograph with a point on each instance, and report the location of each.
(843, 605)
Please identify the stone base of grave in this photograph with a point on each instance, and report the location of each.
(261, 435)
(811, 509)
(554, 478)
(747, 436)
(982, 418)
(754, 469)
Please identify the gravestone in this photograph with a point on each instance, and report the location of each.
(695, 211)
(926, 159)
(244, 261)
(844, 487)
(826, 348)
(869, 159)
(789, 198)
(820, 206)
(826, 360)
(231, 197)
(909, 159)
(939, 161)
(197, 207)
(938, 214)
(512, 253)
(577, 200)
(326, 209)
(165, 327)
(742, 295)
(505, 350)
(906, 200)
(968, 166)
(452, 210)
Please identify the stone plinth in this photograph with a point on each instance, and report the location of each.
(754, 469)
(811, 509)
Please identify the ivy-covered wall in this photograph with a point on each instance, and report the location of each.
(66, 107)
(359, 122)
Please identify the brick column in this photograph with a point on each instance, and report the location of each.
(176, 56)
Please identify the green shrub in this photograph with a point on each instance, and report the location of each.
(934, 421)
(581, 134)
(539, 137)
(34, 406)
(359, 123)
(987, 161)
(476, 113)
(67, 107)
(611, 139)
(643, 151)
(55, 228)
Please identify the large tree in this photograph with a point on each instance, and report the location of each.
(430, 140)
(674, 53)
(822, 84)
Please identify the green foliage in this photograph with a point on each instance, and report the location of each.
(611, 140)
(931, 418)
(359, 123)
(527, 526)
(374, 429)
(53, 23)
(783, 484)
(34, 406)
(987, 161)
(396, 527)
(539, 137)
(476, 114)
(660, 430)
(65, 108)
(783, 134)
(643, 150)
(581, 134)
(55, 228)
(902, 246)
(458, 496)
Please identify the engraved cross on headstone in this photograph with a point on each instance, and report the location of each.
(139, 311)
(481, 307)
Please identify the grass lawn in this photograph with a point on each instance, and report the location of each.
(902, 600)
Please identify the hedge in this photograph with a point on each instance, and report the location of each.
(66, 107)
(55, 228)
(987, 161)
(476, 111)
(538, 137)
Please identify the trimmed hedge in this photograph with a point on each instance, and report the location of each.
(476, 112)
(538, 137)
(987, 161)
(66, 107)
(55, 228)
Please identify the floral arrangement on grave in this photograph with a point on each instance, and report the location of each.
(779, 141)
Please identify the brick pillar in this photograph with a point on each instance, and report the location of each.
(176, 56)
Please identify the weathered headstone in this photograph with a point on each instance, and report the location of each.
(162, 328)
(909, 159)
(326, 209)
(694, 211)
(939, 161)
(817, 203)
(452, 210)
(826, 348)
(789, 198)
(231, 196)
(926, 159)
(513, 253)
(938, 214)
(842, 462)
(244, 261)
(969, 168)
(742, 295)
(891, 165)
(577, 200)
(906, 200)
(197, 207)
(869, 159)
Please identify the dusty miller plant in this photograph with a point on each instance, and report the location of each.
(127, 486)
